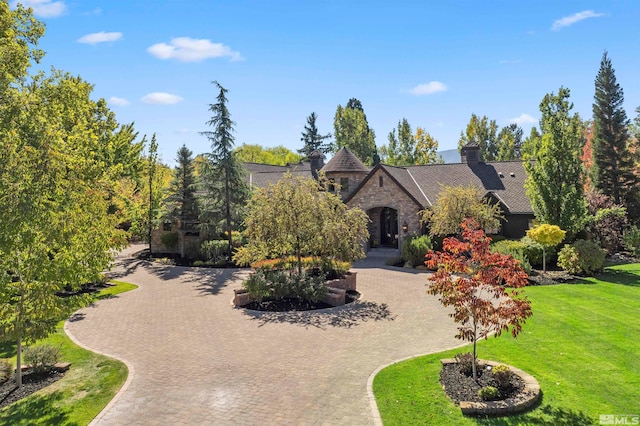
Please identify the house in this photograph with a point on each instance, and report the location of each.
(393, 196)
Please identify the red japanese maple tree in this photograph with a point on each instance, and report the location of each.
(480, 285)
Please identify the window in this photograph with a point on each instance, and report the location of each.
(381, 181)
(332, 185)
(344, 184)
(166, 226)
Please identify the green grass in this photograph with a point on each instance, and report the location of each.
(85, 390)
(581, 345)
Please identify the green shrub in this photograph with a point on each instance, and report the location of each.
(280, 284)
(169, 239)
(214, 249)
(42, 357)
(502, 376)
(582, 257)
(516, 249)
(6, 368)
(465, 363)
(415, 248)
(488, 393)
(533, 251)
(631, 240)
(394, 261)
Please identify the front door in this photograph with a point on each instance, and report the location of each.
(389, 227)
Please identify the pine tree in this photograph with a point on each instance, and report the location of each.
(312, 139)
(223, 178)
(612, 166)
(555, 177)
(181, 204)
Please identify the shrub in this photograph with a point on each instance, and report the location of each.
(394, 261)
(169, 240)
(42, 357)
(465, 363)
(581, 257)
(515, 249)
(532, 251)
(631, 240)
(214, 249)
(6, 368)
(280, 284)
(415, 248)
(488, 393)
(502, 376)
(608, 225)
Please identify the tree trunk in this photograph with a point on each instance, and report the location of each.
(19, 363)
(475, 341)
(228, 208)
(544, 260)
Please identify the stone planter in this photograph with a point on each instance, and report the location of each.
(242, 297)
(519, 403)
(348, 282)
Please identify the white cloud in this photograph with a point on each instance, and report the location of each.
(188, 49)
(100, 37)
(45, 8)
(523, 119)
(428, 88)
(114, 100)
(161, 98)
(577, 17)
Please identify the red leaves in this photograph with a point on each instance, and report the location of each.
(478, 289)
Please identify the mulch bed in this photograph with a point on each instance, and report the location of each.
(31, 382)
(460, 387)
(295, 304)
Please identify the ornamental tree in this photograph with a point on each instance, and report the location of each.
(474, 281)
(547, 236)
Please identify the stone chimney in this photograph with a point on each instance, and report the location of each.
(470, 153)
(317, 162)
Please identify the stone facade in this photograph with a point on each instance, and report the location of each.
(372, 198)
(353, 180)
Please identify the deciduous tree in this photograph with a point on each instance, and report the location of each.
(351, 129)
(547, 236)
(484, 132)
(277, 155)
(509, 143)
(554, 183)
(480, 285)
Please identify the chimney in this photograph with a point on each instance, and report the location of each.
(317, 162)
(470, 153)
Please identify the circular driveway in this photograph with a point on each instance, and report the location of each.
(195, 359)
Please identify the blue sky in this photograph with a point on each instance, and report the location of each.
(434, 63)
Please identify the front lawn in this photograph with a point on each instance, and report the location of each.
(581, 344)
(82, 393)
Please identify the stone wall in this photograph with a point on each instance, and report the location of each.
(354, 180)
(372, 197)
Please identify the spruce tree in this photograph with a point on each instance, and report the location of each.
(612, 163)
(312, 139)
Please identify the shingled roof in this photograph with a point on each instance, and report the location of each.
(261, 175)
(345, 161)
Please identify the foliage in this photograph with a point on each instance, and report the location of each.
(330, 268)
(631, 240)
(352, 130)
(426, 150)
(612, 171)
(170, 239)
(502, 376)
(277, 155)
(509, 143)
(214, 249)
(554, 183)
(457, 203)
(581, 257)
(515, 249)
(484, 132)
(312, 139)
(6, 368)
(546, 235)
(488, 393)
(478, 291)
(406, 149)
(296, 217)
(41, 357)
(533, 251)
(181, 202)
(279, 284)
(223, 175)
(608, 227)
(415, 248)
(465, 361)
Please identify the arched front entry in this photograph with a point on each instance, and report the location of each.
(383, 227)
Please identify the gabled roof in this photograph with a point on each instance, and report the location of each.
(344, 161)
(261, 175)
(399, 176)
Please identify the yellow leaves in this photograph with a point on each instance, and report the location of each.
(547, 235)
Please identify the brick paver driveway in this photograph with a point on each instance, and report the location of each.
(197, 360)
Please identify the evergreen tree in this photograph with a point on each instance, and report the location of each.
(612, 166)
(312, 139)
(555, 178)
(223, 177)
(352, 130)
(509, 143)
(181, 203)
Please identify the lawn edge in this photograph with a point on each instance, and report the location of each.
(375, 412)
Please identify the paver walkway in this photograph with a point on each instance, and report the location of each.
(198, 360)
